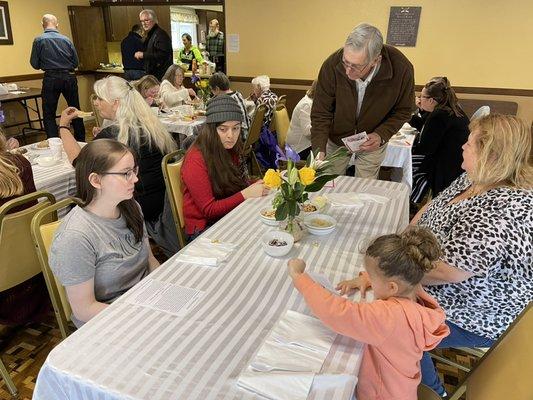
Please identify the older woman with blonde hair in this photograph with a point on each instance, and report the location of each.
(484, 224)
(137, 127)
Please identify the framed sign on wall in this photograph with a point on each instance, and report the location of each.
(6, 37)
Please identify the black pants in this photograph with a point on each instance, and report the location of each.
(55, 84)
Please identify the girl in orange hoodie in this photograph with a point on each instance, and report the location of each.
(399, 325)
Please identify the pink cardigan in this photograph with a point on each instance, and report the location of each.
(397, 331)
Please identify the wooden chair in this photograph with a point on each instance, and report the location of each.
(282, 100)
(426, 393)
(506, 368)
(171, 166)
(280, 124)
(43, 227)
(18, 262)
(253, 137)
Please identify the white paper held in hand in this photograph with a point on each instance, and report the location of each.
(355, 141)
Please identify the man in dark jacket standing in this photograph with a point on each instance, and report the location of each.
(364, 87)
(56, 56)
(157, 54)
(133, 68)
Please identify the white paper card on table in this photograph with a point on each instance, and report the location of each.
(354, 199)
(206, 252)
(322, 280)
(277, 385)
(167, 297)
(300, 330)
(355, 141)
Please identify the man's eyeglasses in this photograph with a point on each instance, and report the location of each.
(145, 21)
(354, 67)
(128, 175)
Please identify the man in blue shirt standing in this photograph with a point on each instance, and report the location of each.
(56, 56)
(133, 68)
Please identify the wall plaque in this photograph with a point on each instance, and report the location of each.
(403, 26)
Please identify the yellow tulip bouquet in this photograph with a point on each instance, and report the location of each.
(294, 186)
(203, 91)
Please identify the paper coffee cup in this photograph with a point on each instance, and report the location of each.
(56, 147)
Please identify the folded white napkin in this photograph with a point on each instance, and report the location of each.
(327, 383)
(275, 356)
(207, 252)
(353, 199)
(300, 330)
(277, 385)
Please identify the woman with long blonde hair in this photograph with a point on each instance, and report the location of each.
(16, 175)
(137, 127)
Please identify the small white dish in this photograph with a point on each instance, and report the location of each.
(45, 161)
(267, 219)
(35, 147)
(269, 240)
(320, 224)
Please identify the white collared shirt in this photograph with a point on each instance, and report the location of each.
(361, 86)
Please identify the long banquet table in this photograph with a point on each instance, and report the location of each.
(134, 352)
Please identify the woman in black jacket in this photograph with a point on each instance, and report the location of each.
(437, 152)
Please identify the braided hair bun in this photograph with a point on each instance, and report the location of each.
(408, 255)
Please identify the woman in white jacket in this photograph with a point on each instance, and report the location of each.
(171, 92)
(299, 134)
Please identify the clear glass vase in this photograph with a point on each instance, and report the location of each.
(292, 225)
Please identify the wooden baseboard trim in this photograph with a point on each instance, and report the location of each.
(458, 89)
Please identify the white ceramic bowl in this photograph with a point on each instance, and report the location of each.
(268, 220)
(277, 251)
(320, 224)
(46, 161)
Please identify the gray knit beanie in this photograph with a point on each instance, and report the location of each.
(223, 108)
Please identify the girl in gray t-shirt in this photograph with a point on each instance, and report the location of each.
(101, 248)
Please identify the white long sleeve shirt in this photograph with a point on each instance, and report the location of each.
(299, 135)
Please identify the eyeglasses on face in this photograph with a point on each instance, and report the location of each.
(354, 67)
(128, 175)
(145, 21)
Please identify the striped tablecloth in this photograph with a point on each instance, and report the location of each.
(183, 127)
(58, 179)
(129, 351)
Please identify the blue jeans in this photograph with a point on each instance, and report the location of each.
(458, 337)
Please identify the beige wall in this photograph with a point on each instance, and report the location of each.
(475, 43)
(26, 25)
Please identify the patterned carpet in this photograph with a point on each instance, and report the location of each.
(24, 350)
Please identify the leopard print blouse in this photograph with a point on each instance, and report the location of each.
(490, 235)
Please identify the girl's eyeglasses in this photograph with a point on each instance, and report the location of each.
(128, 175)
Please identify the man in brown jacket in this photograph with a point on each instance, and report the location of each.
(364, 87)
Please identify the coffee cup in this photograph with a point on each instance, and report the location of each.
(56, 147)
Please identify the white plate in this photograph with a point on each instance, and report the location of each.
(44, 161)
(34, 147)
